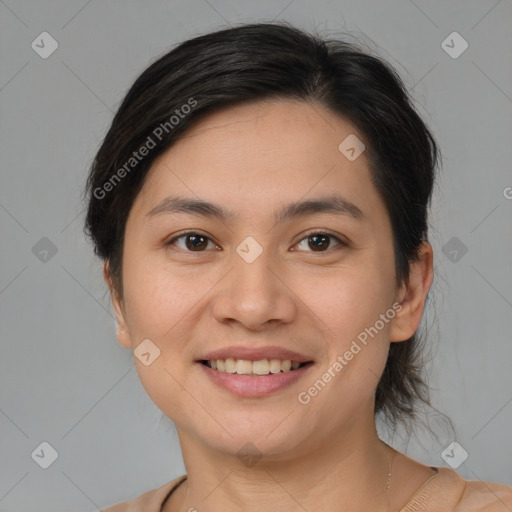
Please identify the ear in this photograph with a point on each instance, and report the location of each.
(122, 332)
(412, 296)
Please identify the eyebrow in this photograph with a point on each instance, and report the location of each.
(330, 204)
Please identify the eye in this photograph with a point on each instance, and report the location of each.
(319, 241)
(197, 242)
(194, 242)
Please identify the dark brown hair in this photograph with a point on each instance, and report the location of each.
(275, 60)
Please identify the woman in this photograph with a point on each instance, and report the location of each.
(260, 203)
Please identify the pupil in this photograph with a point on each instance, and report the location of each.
(196, 238)
(316, 237)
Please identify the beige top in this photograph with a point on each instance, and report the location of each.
(445, 491)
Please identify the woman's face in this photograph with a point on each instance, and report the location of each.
(258, 279)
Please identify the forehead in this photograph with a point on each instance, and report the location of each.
(255, 155)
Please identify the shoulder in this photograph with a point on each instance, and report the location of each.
(150, 501)
(448, 491)
(479, 496)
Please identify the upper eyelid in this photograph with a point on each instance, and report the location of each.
(175, 237)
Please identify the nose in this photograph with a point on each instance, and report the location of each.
(255, 294)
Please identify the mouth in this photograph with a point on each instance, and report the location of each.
(253, 379)
(258, 368)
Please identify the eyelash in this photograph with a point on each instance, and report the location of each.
(308, 235)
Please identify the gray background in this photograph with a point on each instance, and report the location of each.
(65, 380)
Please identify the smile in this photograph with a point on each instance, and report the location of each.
(241, 378)
(245, 367)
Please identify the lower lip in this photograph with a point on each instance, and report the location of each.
(246, 386)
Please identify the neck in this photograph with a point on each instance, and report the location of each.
(348, 473)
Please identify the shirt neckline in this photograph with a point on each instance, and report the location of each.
(174, 487)
(415, 496)
(411, 500)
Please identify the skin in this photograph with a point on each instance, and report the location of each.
(254, 159)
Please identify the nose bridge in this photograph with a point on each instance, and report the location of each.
(253, 275)
(254, 292)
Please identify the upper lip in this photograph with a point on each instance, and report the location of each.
(255, 354)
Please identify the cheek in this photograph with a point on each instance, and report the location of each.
(159, 302)
(359, 310)
(349, 306)
(157, 297)
(347, 300)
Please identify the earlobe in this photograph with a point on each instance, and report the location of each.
(412, 296)
(123, 337)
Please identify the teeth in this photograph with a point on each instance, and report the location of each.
(243, 367)
(275, 366)
(246, 367)
(261, 367)
(229, 365)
